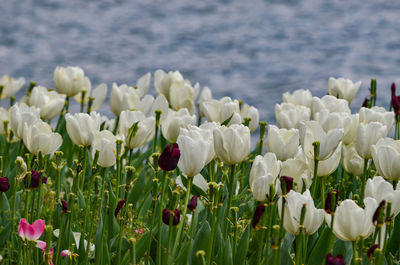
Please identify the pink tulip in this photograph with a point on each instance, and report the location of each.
(31, 232)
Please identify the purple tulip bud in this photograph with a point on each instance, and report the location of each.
(176, 216)
(377, 218)
(366, 103)
(4, 184)
(258, 214)
(192, 203)
(286, 184)
(169, 157)
(393, 88)
(331, 202)
(119, 207)
(338, 260)
(371, 250)
(64, 205)
(35, 177)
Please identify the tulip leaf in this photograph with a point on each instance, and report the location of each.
(241, 250)
(345, 248)
(226, 122)
(285, 250)
(227, 251)
(394, 240)
(201, 241)
(321, 248)
(5, 233)
(137, 190)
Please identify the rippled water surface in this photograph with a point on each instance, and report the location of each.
(251, 50)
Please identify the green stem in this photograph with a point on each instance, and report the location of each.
(315, 179)
(182, 222)
(194, 217)
(323, 179)
(269, 231)
(119, 243)
(227, 212)
(214, 228)
(160, 211)
(364, 179)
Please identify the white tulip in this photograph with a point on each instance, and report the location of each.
(69, 80)
(105, 143)
(290, 116)
(343, 88)
(282, 142)
(260, 186)
(20, 114)
(125, 97)
(160, 104)
(327, 166)
(206, 132)
(252, 113)
(205, 95)
(221, 110)
(298, 97)
(368, 135)
(194, 149)
(353, 222)
(143, 84)
(145, 128)
(378, 114)
(380, 190)
(38, 137)
(311, 131)
(178, 91)
(330, 103)
(232, 144)
(174, 121)
(264, 165)
(294, 203)
(98, 94)
(81, 127)
(50, 103)
(198, 180)
(10, 86)
(350, 135)
(4, 117)
(351, 161)
(297, 169)
(386, 156)
(332, 120)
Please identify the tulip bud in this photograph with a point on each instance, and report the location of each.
(258, 214)
(331, 201)
(338, 260)
(169, 157)
(192, 203)
(4, 184)
(286, 184)
(119, 207)
(365, 103)
(64, 205)
(379, 214)
(176, 216)
(371, 250)
(35, 178)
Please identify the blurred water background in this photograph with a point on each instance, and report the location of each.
(251, 50)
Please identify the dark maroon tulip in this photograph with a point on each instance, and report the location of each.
(371, 250)
(288, 184)
(119, 207)
(330, 206)
(35, 177)
(176, 216)
(192, 203)
(395, 100)
(169, 157)
(366, 103)
(64, 205)
(338, 260)
(258, 214)
(4, 184)
(376, 217)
